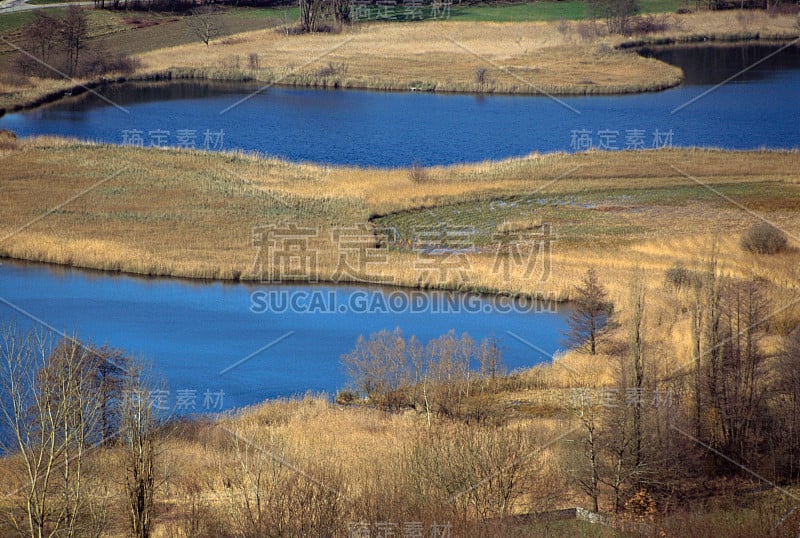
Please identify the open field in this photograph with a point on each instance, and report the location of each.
(141, 31)
(547, 11)
(189, 213)
(530, 12)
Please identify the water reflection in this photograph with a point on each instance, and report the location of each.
(708, 65)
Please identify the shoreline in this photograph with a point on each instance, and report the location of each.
(255, 283)
(183, 74)
(180, 74)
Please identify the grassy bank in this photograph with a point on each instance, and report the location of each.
(193, 214)
(536, 58)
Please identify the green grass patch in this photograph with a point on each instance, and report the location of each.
(291, 14)
(596, 217)
(11, 22)
(535, 11)
(482, 223)
(45, 2)
(547, 10)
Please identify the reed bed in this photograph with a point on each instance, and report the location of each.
(533, 58)
(193, 214)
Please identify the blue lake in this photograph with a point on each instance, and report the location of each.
(206, 337)
(211, 337)
(758, 108)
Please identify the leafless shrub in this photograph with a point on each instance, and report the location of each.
(395, 372)
(267, 495)
(332, 69)
(679, 277)
(98, 62)
(648, 24)
(604, 48)
(480, 75)
(418, 173)
(8, 140)
(617, 13)
(764, 238)
(252, 60)
(474, 471)
(587, 30)
(564, 27)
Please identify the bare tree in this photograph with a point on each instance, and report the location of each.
(74, 32)
(42, 35)
(341, 11)
(787, 392)
(111, 368)
(490, 360)
(588, 411)
(740, 389)
(729, 377)
(636, 344)
(49, 409)
(379, 367)
(591, 312)
(311, 12)
(139, 439)
(204, 23)
(617, 13)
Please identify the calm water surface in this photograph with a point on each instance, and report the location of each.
(194, 333)
(757, 109)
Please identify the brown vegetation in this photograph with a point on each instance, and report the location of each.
(527, 58)
(142, 211)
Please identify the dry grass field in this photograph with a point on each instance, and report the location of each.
(518, 58)
(193, 214)
(450, 56)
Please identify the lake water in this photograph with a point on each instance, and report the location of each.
(757, 109)
(207, 338)
(211, 337)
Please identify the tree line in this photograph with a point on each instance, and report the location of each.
(729, 408)
(59, 46)
(393, 371)
(63, 405)
(732, 403)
